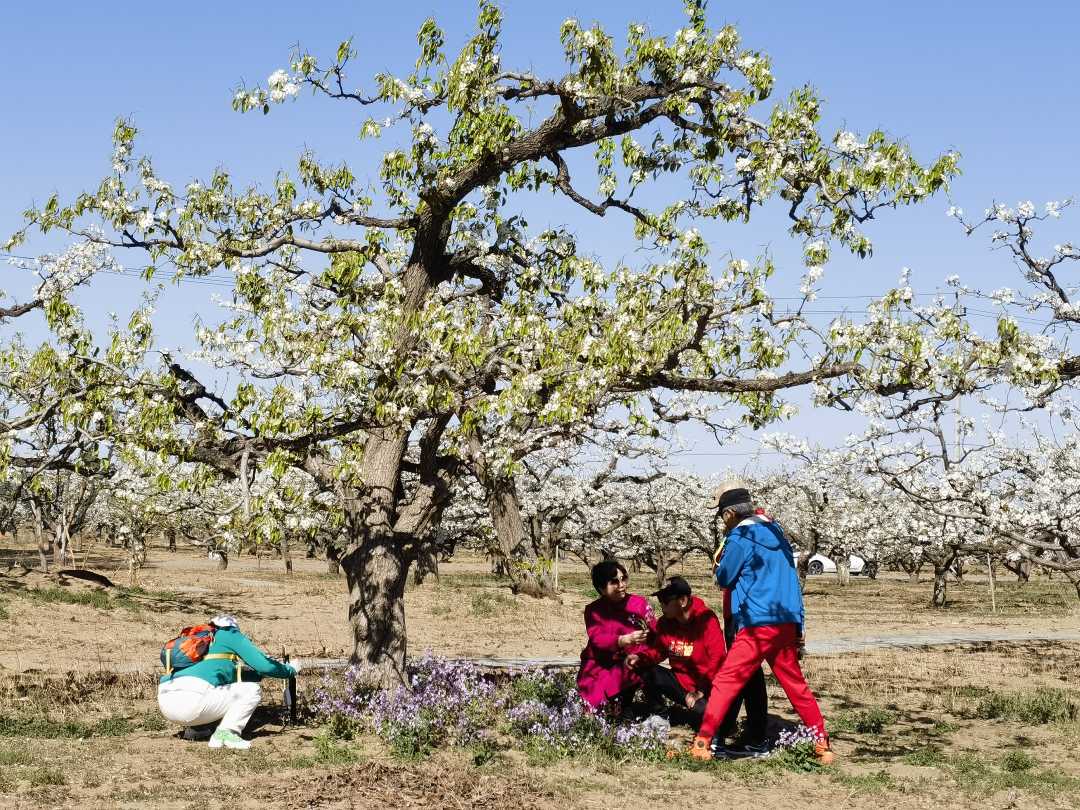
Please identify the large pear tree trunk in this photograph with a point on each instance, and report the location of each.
(374, 564)
(375, 573)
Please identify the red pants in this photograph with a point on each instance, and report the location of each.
(779, 645)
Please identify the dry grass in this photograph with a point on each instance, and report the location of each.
(913, 727)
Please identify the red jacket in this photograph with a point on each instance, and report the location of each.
(695, 650)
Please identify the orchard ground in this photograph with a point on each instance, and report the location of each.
(990, 725)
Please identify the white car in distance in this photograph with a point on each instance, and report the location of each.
(820, 564)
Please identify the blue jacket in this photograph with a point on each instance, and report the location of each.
(757, 566)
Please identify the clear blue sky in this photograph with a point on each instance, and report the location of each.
(997, 81)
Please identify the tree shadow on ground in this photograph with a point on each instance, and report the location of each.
(57, 588)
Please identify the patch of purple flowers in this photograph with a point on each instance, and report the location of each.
(800, 735)
(447, 703)
(562, 724)
(794, 749)
(451, 703)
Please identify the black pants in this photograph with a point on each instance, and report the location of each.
(660, 682)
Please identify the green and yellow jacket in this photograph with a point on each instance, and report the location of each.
(239, 657)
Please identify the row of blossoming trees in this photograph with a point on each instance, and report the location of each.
(400, 333)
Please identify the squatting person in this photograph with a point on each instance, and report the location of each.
(219, 688)
(756, 564)
(690, 637)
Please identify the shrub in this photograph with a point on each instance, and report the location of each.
(486, 605)
(153, 721)
(15, 756)
(42, 726)
(328, 752)
(40, 777)
(92, 598)
(870, 721)
(876, 782)
(550, 689)
(1037, 708)
(927, 757)
(1018, 761)
(570, 727)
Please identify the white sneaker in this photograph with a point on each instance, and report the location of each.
(224, 738)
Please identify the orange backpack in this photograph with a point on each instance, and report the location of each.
(190, 647)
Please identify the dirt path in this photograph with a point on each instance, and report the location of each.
(970, 637)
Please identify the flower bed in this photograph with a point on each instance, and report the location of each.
(451, 704)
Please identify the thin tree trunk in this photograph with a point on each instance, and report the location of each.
(333, 561)
(661, 569)
(938, 599)
(812, 540)
(1074, 578)
(42, 543)
(285, 555)
(843, 569)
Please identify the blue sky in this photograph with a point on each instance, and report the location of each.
(993, 80)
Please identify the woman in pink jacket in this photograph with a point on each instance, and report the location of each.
(618, 624)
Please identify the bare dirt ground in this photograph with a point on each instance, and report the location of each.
(465, 613)
(913, 728)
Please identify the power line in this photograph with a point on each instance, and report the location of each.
(225, 282)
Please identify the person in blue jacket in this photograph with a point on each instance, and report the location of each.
(223, 686)
(755, 563)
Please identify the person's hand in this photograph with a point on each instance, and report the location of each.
(632, 660)
(630, 639)
(295, 666)
(693, 697)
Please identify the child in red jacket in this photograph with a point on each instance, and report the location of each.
(689, 635)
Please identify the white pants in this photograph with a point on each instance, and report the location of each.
(194, 702)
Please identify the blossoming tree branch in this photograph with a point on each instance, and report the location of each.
(397, 334)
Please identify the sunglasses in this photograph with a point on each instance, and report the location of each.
(617, 580)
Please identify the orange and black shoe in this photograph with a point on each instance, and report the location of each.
(823, 752)
(701, 749)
